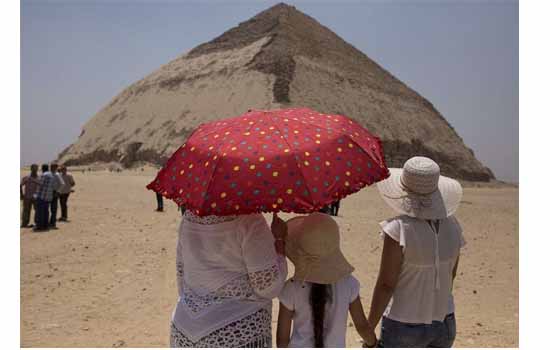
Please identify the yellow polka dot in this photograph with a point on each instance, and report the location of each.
(275, 174)
(247, 133)
(213, 205)
(237, 207)
(318, 135)
(215, 157)
(190, 166)
(252, 167)
(233, 148)
(262, 132)
(182, 171)
(306, 163)
(287, 150)
(206, 164)
(286, 120)
(211, 148)
(350, 145)
(262, 159)
(223, 195)
(236, 168)
(346, 183)
(307, 154)
(348, 173)
(317, 141)
(251, 123)
(289, 191)
(327, 163)
(339, 149)
(192, 148)
(279, 200)
(296, 131)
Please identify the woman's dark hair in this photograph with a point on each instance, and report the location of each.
(318, 298)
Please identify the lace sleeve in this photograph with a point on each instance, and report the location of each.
(179, 265)
(269, 282)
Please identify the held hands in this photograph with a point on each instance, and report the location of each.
(371, 341)
(279, 231)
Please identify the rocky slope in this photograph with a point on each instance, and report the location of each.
(279, 58)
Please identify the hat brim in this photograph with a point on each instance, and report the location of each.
(438, 205)
(327, 270)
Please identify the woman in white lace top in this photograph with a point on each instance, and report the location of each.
(228, 273)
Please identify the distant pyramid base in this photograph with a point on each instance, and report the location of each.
(280, 58)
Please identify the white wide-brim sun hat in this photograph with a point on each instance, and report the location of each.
(418, 190)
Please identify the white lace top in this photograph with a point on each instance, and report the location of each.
(227, 269)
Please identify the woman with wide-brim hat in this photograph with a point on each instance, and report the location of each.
(413, 293)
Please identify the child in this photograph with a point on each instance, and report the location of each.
(322, 291)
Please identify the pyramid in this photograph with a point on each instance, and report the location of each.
(277, 59)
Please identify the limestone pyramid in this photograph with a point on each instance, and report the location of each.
(279, 58)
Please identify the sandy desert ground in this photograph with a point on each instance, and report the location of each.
(107, 277)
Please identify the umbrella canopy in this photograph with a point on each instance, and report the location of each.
(292, 160)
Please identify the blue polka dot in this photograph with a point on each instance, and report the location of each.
(256, 192)
(268, 166)
(314, 189)
(233, 185)
(259, 174)
(240, 193)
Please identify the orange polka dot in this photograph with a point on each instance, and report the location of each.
(307, 154)
(296, 131)
(181, 190)
(182, 171)
(215, 157)
(206, 164)
(274, 206)
(190, 166)
(192, 148)
(317, 141)
(233, 148)
(348, 173)
(327, 163)
(237, 207)
(271, 127)
(346, 183)
(213, 205)
(247, 133)
(223, 195)
(339, 149)
(211, 148)
(287, 150)
(236, 168)
(261, 159)
(252, 167)
(279, 200)
(227, 133)
(306, 163)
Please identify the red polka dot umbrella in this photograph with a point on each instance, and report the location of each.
(292, 160)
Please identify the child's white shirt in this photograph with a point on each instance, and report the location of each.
(295, 297)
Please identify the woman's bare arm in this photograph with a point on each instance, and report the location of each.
(362, 325)
(284, 323)
(390, 267)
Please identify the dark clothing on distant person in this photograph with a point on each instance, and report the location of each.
(63, 198)
(28, 204)
(53, 208)
(335, 207)
(160, 206)
(41, 214)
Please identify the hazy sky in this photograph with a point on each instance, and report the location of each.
(460, 55)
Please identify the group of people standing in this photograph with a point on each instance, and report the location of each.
(43, 193)
(230, 268)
